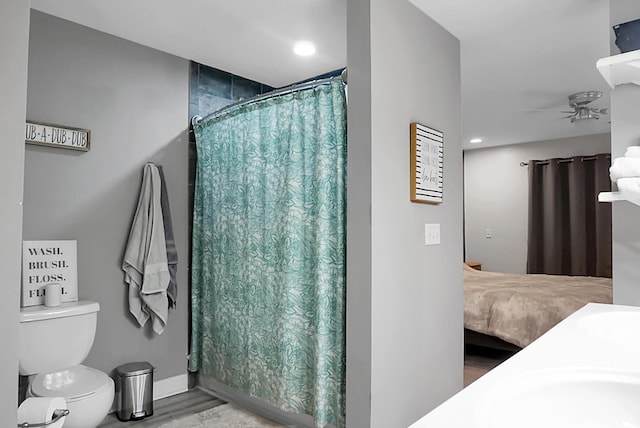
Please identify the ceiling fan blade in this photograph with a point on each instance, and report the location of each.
(551, 110)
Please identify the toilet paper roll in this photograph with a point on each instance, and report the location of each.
(52, 294)
(37, 410)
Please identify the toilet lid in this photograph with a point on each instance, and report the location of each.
(72, 383)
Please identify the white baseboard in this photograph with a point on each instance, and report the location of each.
(170, 386)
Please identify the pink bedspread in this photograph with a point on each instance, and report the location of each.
(519, 308)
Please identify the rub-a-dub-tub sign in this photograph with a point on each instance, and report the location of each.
(45, 134)
(46, 262)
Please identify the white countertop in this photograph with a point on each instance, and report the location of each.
(579, 373)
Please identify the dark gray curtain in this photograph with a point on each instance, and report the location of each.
(569, 230)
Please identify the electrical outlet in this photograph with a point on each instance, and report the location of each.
(432, 234)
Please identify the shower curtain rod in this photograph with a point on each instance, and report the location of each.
(282, 91)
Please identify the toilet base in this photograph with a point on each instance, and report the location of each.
(85, 410)
(89, 412)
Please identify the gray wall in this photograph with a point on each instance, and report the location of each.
(359, 233)
(135, 102)
(414, 326)
(14, 38)
(625, 131)
(496, 191)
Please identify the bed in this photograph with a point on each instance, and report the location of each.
(509, 311)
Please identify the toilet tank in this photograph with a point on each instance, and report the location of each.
(54, 338)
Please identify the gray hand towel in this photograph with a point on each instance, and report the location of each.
(145, 259)
(172, 253)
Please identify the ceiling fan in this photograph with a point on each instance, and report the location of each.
(581, 110)
(580, 102)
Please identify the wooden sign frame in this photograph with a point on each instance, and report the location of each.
(64, 137)
(426, 164)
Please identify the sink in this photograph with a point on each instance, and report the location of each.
(620, 327)
(567, 398)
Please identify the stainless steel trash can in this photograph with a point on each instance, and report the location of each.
(134, 391)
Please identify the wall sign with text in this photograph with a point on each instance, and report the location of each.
(45, 262)
(426, 164)
(45, 134)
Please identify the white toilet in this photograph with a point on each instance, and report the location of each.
(53, 343)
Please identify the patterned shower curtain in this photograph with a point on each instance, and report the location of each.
(269, 245)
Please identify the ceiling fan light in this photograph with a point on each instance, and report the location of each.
(581, 99)
(583, 114)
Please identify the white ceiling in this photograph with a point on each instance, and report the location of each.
(526, 55)
(249, 38)
(516, 56)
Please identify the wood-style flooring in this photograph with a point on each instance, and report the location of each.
(168, 409)
(477, 362)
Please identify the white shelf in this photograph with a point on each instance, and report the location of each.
(620, 69)
(615, 196)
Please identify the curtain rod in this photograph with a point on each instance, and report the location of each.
(282, 91)
(586, 158)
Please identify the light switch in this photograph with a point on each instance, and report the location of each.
(432, 234)
(488, 233)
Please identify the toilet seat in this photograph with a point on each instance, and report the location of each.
(88, 392)
(73, 384)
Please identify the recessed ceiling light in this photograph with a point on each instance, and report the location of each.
(475, 140)
(304, 48)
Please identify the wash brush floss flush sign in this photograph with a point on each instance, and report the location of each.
(45, 264)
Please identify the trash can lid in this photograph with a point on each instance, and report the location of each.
(134, 369)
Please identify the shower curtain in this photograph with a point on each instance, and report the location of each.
(269, 245)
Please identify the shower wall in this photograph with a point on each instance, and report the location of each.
(211, 89)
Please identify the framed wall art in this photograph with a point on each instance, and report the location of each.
(46, 262)
(426, 164)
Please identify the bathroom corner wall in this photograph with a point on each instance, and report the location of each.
(135, 102)
(405, 350)
(625, 131)
(14, 38)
